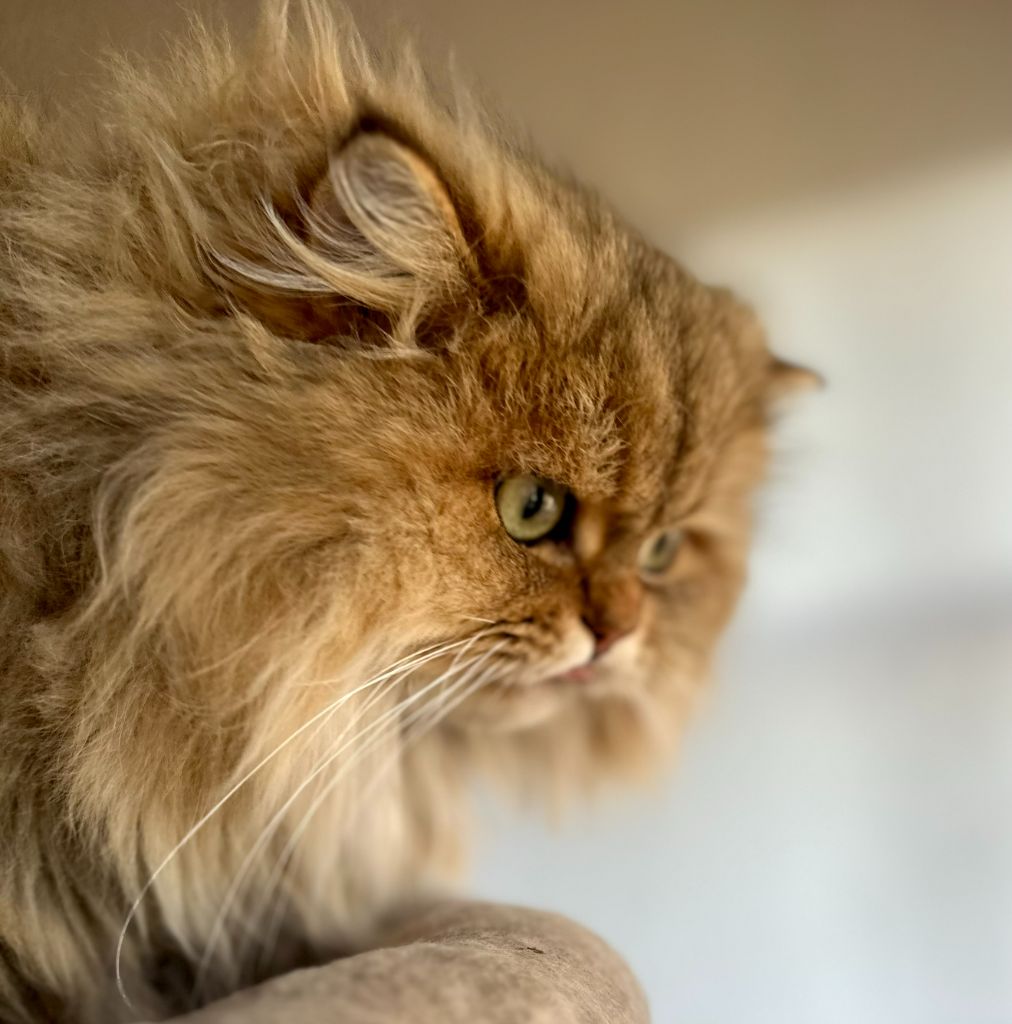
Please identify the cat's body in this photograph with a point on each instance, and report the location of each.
(272, 333)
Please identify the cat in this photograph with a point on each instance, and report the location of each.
(346, 451)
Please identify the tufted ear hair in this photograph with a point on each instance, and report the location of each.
(786, 378)
(380, 211)
(376, 251)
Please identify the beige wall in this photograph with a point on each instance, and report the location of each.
(681, 111)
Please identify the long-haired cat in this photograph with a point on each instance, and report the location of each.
(345, 449)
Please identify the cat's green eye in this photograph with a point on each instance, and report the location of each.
(529, 507)
(658, 552)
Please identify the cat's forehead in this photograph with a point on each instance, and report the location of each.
(609, 403)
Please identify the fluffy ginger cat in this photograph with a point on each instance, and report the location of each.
(345, 451)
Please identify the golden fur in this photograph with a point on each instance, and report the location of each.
(271, 327)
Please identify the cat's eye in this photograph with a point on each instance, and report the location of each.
(530, 507)
(658, 552)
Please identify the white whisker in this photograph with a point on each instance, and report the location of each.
(441, 700)
(435, 651)
(271, 827)
(439, 713)
(359, 713)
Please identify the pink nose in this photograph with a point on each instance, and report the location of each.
(605, 637)
(612, 608)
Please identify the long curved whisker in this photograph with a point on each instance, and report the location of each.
(359, 713)
(344, 769)
(272, 825)
(434, 651)
(335, 750)
(439, 713)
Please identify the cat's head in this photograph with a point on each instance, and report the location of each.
(419, 396)
(564, 427)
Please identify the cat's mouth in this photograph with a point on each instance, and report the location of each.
(588, 669)
(582, 672)
(571, 660)
(578, 674)
(499, 681)
(514, 675)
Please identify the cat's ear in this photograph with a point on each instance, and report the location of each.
(381, 210)
(785, 378)
(376, 250)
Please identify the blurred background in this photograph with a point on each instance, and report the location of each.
(836, 842)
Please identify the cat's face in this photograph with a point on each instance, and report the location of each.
(570, 468)
(579, 505)
(548, 430)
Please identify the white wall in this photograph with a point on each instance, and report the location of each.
(896, 483)
(836, 845)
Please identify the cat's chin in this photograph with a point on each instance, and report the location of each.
(512, 708)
